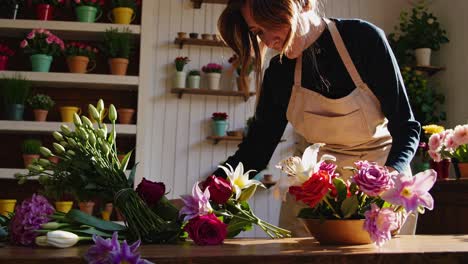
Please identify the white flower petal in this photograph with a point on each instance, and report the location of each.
(309, 158)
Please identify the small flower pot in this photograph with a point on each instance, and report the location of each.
(216, 37)
(423, 56)
(193, 81)
(213, 80)
(3, 63)
(122, 15)
(125, 115)
(88, 14)
(442, 168)
(193, 35)
(118, 66)
(220, 127)
(44, 12)
(40, 115)
(79, 64)
(182, 35)
(63, 206)
(7, 206)
(29, 158)
(243, 83)
(66, 113)
(107, 212)
(41, 62)
(54, 159)
(338, 232)
(14, 111)
(206, 36)
(87, 207)
(179, 79)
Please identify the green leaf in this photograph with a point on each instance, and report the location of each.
(307, 213)
(125, 160)
(341, 188)
(349, 206)
(131, 177)
(83, 218)
(237, 225)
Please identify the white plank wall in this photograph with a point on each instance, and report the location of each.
(171, 136)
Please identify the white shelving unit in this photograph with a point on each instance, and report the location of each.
(64, 29)
(7, 126)
(10, 173)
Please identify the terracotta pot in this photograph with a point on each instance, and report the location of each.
(118, 66)
(463, 169)
(54, 159)
(87, 207)
(125, 115)
(40, 115)
(29, 158)
(338, 232)
(78, 64)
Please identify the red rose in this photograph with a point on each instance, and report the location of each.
(220, 189)
(314, 189)
(206, 230)
(151, 192)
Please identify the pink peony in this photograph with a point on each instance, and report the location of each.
(450, 142)
(24, 43)
(31, 35)
(372, 179)
(50, 39)
(460, 135)
(206, 230)
(380, 223)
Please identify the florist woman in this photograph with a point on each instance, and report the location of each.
(336, 81)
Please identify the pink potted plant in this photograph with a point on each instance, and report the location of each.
(5, 54)
(213, 74)
(79, 55)
(42, 45)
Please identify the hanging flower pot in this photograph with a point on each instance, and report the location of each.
(63, 206)
(122, 15)
(118, 66)
(44, 11)
(87, 207)
(125, 115)
(41, 62)
(14, 112)
(3, 63)
(7, 206)
(88, 14)
(179, 79)
(423, 56)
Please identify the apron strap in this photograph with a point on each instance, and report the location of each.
(344, 54)
(298, 72)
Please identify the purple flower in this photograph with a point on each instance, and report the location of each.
(110, 251)
(28, 218)
(412, 192)
(196, 204)
(329, 167)
(380, 223)
(372, 179)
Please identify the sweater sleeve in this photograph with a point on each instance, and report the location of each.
(265, 132)
(385, 80)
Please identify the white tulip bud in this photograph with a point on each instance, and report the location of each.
(61, 239)
(100, 106)
(77, 120)
(86, 121)
(94, 112)
(65, 129)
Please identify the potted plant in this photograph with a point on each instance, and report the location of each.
(117, 47)
(78, 55)
(7, 206)
(57, 189)
(5, 54)
(123, 11)
(67, 112)
(43, 46)
(194, 79)
(213, 74)
(242, 81)
(30, 148)
(41, 104)
(422, 32)
(125, 115)
(180, 76)
(14, 92)
(45, 8)
(220, 124)
(88, 10)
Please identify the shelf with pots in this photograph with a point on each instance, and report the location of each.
(65, 29)
(199, 42)
(430, 70)
(182, 91)
(198, 3)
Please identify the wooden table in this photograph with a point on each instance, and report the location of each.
(403, 249)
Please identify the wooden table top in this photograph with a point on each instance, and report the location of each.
(402, 249)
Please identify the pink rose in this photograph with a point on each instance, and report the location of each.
(31, 35)
(206, 230)
(435, 142)
(151, 192)
(77, 1)
(24, 43)
(220, 189)
(380, 223)
(372, 179)
(50, 39)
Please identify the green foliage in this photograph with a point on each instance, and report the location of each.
(118, 44)
(41, 101)
(194, 73)
(41, 41)
(14, 90)
(31, 146)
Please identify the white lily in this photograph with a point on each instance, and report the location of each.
(239, 179)
(298, 169)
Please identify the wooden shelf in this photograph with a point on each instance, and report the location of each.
(198, 42)
(182, 91)
(7, 126)
(217, 139)
(10, 173)
(430, 70)
(268, 184)
(77, 80)
(197, 3)
(64, 29)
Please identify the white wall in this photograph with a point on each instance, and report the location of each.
(173, 131)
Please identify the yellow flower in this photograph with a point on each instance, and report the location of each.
(433, 129)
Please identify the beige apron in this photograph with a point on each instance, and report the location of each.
(353, 127)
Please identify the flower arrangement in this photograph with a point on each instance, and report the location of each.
(372, 193)
(80, 49)
(133, 4)
(180, 63)
(6, 51)
(450, 143)
(48, 2)
(94, 3)
(219, 209)
(41, 101)
(42, 41)
(421, 29)
(212, 68)
(234, 60)
(219, 116)
(118, 44)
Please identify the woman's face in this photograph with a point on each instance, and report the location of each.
(274, 38)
